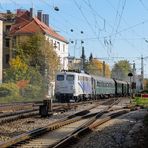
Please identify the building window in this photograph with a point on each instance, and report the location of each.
(55, 45)
(63, 47)
(14, 42)
(8, 28)
(7, 58)
(7, 42)
(58, 45)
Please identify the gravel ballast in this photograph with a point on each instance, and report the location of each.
(115, 133)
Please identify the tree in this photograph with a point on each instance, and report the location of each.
(91, 57)
(39, 53)
(146, 84)
(107, 71)
(121, 70)
(19, 71)
(95, 67)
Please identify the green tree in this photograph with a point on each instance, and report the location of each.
(38, 52)
(121, 69)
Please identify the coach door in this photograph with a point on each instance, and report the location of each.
(93, 87)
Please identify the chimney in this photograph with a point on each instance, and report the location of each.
(46, 19)
(31, 13)
(8, 12)
(39, 15)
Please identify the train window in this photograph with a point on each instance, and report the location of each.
(98, 83)
(102, 84)
(109, 84)
(60, 77)
(70, 77)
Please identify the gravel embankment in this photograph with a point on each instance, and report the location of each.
(115, 133)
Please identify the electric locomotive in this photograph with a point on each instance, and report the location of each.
(81, 86)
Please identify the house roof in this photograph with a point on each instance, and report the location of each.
(49, 30)
(32, 26)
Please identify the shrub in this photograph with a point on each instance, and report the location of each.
(9, 89)
(32, 91)
(9, 92)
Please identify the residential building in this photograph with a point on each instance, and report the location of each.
(23, 24)
(7, 19)
(1, 50)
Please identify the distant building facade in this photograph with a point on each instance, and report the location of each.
(1, 50)
(74, 63)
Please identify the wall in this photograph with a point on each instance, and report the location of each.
(61, 49)
(1, 50)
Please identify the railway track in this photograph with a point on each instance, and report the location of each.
(69, 128)
(57, 107)
(17, 106)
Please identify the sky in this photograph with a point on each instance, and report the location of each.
(113, 30)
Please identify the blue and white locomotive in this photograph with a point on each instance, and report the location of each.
(72, 85)
(81, 86)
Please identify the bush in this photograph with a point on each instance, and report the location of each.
(32, 91)
(9, 92)
(9, 89)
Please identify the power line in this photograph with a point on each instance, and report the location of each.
(87, 20)
(123, 7)
(141, 2)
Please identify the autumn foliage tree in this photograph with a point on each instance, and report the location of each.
(18, 70)
(146, 84)
(27, 68)
(95, 67)
(38, 52)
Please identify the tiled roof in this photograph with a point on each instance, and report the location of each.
(49, 30)
(32, 26)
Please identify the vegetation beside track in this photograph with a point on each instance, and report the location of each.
(140, 101)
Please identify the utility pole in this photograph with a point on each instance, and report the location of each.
(134, 79)
(142, 73)
(103, 68)
(83, 58)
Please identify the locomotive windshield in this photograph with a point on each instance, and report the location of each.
(70, 77)
(60, 77)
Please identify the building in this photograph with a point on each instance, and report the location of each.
(8, 20)
(74, 63)
(1, 50)
(23, 23)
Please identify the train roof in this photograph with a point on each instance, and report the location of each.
(121, 82)
(75, 73)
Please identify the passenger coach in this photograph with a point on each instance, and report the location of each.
(104, 87)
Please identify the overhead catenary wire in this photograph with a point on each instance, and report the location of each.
(87, 21)
(142, 3)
